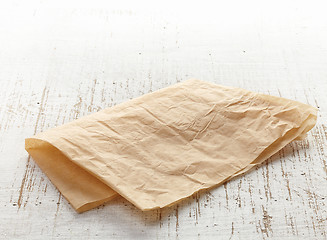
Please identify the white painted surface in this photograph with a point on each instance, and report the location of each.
(60, 61)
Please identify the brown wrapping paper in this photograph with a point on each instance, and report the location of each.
(164, 146)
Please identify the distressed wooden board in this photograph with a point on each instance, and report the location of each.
(60, 62)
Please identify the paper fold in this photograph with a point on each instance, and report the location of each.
(164, 146)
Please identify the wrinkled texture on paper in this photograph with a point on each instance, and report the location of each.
(167, 145)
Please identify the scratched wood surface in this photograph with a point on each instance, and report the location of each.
(60, 61)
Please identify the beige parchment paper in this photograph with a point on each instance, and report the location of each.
(165, 146)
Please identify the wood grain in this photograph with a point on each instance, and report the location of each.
(61, 61)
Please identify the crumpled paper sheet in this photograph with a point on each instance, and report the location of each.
(167, 145)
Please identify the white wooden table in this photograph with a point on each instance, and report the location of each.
(60, 61)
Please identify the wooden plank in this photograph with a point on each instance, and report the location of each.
(61, 63)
